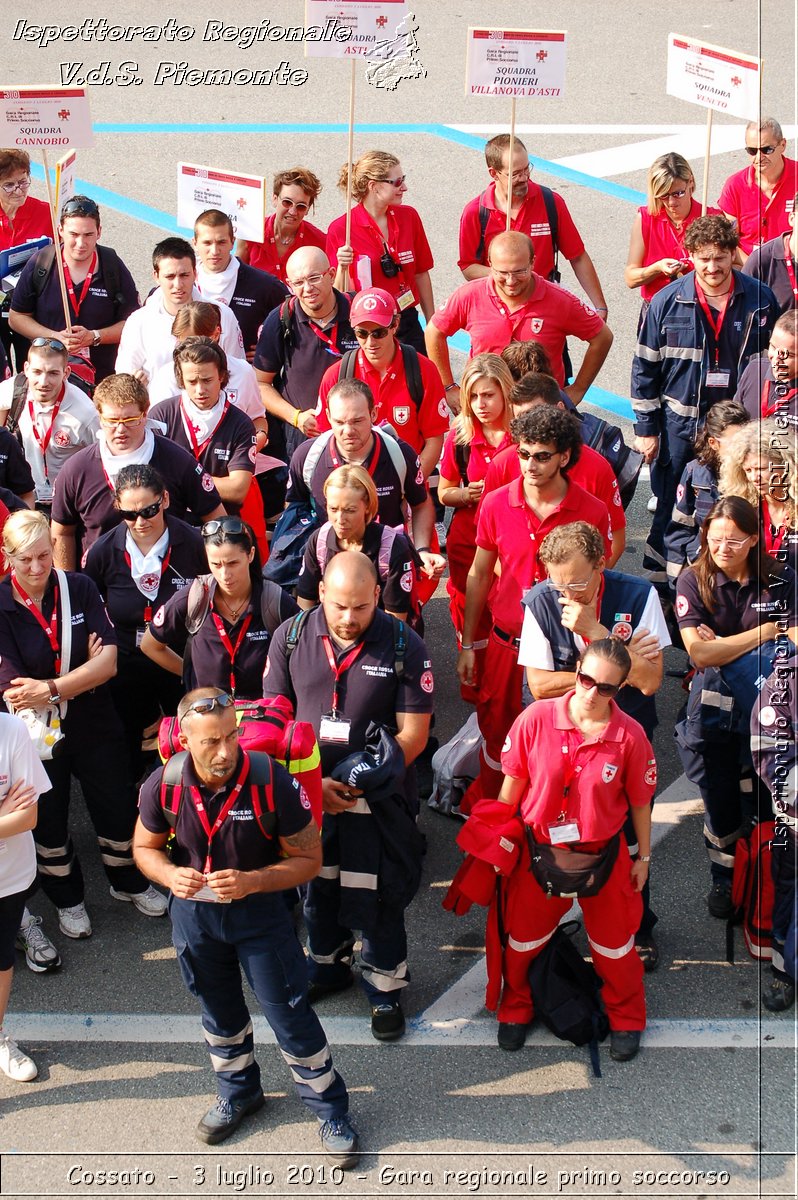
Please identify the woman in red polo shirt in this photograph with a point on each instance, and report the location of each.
(388, 246)
(286, 230)
(574, 768)
(656, 248)
(22, 218)
(480, 431)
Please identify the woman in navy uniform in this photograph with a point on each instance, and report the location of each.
(32, 604)
(729, 603)
(230, 646)
(137, 567)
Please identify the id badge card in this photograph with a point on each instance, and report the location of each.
(335, 729)
(139, 635)
(718, 379)
(563, 832)
(207, 894)
(405, 299)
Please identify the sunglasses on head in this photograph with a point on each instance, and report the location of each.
(80, 208)
(603, 689)
(232, 525)
(146, 514)
(51, 343)
(363, 335)
(207, 704)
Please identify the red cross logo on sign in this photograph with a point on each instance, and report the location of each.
(381, 22)
(241, 202)
(542, 55)
(64, 114)
(736, 81)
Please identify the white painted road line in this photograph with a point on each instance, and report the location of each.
(179, 1029)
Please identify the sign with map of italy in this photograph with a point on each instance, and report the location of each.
(45, 116)
(713, 77)
(524, 63)
(368, 22)
(242, 197)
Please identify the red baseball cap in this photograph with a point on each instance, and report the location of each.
(374, 305)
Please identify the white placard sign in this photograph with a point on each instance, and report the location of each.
(64, 180)
(343, 28)
(713, 77)
(45, 117)
(523, 63)
(242, 197)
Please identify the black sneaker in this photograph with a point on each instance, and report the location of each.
(778, 995)
(511, 1036)
(624, 1044)
(317, 991)
(719, 901)
(226, 1116)
(339, 1140)
(387, 1022)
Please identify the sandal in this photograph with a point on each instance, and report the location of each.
(647, 951)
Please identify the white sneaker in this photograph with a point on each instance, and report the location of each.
(40, 953)
(149, 902)
(74, 922)
(14, 1062)
(652, 504)
(440, 529)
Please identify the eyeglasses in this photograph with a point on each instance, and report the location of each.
(232, 525)
(512, 274)
(519, 175)
(51, 343)
(754, 150)
(80, 207)
(21, 185)
(123, 422)
(730, 543)
(363, 335)
(394, 182)
(207, 704)
(578, 585)
(308, 281)
(146, 514)
(675, 195)
(603, 689)
(538, 456)
(287, 204)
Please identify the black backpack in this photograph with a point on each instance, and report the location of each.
(566, 993)
(109, 264)
(551, 214)
(18, 397)
(412, 372)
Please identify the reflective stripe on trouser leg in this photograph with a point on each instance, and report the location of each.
(717, 771)
(59, 867)
(383, 957)
(231, 1054)
(103, 771)
(611, 920)
(529, 919)
(330, 945)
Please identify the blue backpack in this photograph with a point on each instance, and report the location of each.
(294, 526)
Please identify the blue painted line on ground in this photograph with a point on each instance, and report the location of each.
(123, 204)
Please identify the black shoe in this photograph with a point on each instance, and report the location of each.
(719, 901)
(225, 1117)
(318, 991)
(647, 951)
(511, 1036)
(778, 995)
(387, 1022)
(624, 1044)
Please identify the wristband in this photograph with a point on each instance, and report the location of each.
(644, 858)
(604, 310)
(466, 645)
(423, 550)
(451, 387)
(296, 419)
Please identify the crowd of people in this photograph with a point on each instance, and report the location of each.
(244, 491)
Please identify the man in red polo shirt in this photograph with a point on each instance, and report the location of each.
(380, 363)
(759, 198)
(512, 524)
(515, 304)
(486, 216)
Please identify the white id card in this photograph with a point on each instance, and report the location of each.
(563, 832)
(334, 729)
(208, 894)
(718, 379)
(139, 636)
(405, 299)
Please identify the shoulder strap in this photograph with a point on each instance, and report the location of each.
(261, 788)
(66, 630)
(199, 603)
(399, 647)
(286, 319)
(317, 446)
(172, 786)
(415, 385)
(109, 261)
(553, 219)
(348, 364)
(18, 397)
(295, 631)
(271, 604)
(321, 546)
(391, 444)
(484, 217)
(387, 539)
(462, 456)
(44, 266)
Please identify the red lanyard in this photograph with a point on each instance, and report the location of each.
(196, 448)
(370, 466)
(228, 645)
(338, 669)
(164, 565)
(774, 535)
(329, 341)
(86, 284)
(715, 323)
(50, 626)
(768, 409)
(789, 266)
(389, 246)
(44, 442)
(212, 830)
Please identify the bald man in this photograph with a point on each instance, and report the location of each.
(515, 304)
(298, 342)
(351, 665)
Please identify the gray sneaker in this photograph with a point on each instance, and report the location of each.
(40, 953)
(74, 922)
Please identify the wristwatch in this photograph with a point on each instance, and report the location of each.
(97, 337)
(55, 695)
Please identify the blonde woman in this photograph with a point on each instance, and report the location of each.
(388, 246)
(761, 467)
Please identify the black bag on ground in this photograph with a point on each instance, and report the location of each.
(566, 993)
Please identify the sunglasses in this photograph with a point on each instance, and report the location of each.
(538, 456)
(675, 195)
(301, 207)
(395, 182)
(207, 704)
(146, 514)
(754, 150)
(124, 422)
(50, 343)
(363, 335)
(603, 689)
(232, 525)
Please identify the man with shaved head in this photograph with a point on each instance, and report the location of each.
(298, 342)
(345, 665)
(515, 304)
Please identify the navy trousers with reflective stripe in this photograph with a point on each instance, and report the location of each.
(213, 943)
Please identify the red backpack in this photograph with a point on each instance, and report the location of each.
(267, 726)
(753, 891)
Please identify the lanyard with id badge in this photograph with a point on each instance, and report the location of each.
(565, 830)
(716, 377)
(335, 728)
(206, 893)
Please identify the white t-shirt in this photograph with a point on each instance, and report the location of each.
(18, 760)
(75, 427)
(147, 340)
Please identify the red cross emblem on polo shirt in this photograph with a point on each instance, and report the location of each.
(64, 114)
(241, 202)
(381, 22)
(542, 55)
(736, 81)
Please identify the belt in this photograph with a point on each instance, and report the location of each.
(506, 637)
